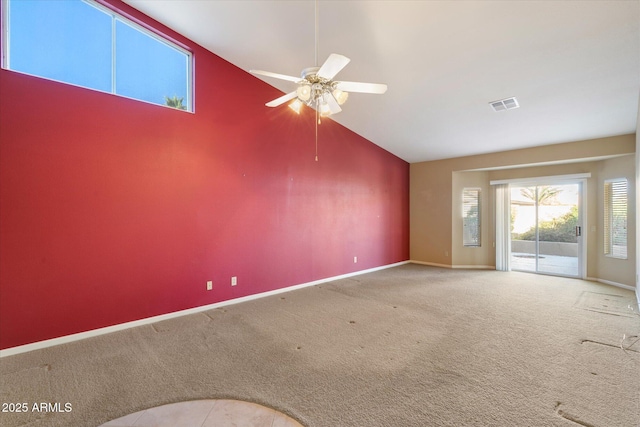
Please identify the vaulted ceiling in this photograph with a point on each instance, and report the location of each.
(574, 66)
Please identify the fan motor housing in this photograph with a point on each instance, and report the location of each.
(309, 72)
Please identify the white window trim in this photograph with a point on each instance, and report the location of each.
(541, 180)
(477, 244)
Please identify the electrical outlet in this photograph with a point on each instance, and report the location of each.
(355, 259)
(234, 281)
(209, 285)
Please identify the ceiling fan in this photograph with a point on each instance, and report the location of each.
(318, 89)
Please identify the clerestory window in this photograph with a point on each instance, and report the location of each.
(84, 43)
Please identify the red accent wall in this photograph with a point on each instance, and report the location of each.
(114, 210)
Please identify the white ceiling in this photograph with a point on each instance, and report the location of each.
(574, 66)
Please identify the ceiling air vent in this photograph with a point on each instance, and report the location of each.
(504, 104)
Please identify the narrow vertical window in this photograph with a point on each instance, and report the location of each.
(615, 218)
(471, 217)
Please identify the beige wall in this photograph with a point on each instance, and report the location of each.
(436, 219)
(430, 212)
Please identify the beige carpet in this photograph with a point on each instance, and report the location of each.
(406, 346)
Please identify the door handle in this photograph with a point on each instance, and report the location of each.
(578, 231)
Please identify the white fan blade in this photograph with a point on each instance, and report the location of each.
(362, 87)
(332, 66)
(276, 75)
(281, 100)
(334, 107)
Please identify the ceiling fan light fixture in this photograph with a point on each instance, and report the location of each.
(304, 92)
(296, 105)
(340, 96)
(317, 86)
(324, 109)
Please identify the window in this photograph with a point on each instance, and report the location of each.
(471, 217)
(615, 218)
(83, 43)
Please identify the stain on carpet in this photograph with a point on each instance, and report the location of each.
(616, 305)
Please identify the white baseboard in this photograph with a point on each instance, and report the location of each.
(609, 282)
(122, 326)
(432, 264)
(474, 267)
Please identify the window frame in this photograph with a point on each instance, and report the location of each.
(477, 198)
(125, 18)
(609, 230)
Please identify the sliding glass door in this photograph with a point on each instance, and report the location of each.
(546, 232)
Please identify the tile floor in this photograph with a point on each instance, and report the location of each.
(206, 413)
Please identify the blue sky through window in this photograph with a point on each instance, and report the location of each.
(72, 41)
(62, 40)
(138, 55)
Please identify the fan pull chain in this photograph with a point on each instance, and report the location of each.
(316, 64)
(317, 123)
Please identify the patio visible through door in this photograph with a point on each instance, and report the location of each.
(546, 229)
